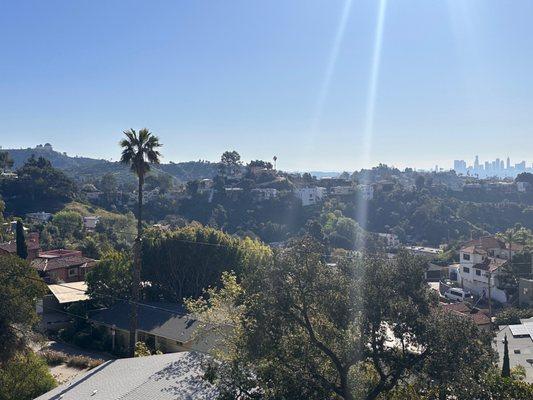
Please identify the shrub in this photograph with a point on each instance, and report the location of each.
(83, 362)
(53, 358)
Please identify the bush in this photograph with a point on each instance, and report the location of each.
(512, 316)
(53, 358)
(83, 362)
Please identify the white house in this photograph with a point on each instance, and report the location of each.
(391, 239)
(39, 216)
(481, 263)
(262, 194)
(310, 195)
(367, 191)
(523, 186)
(90, 221)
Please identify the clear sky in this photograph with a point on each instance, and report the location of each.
(292, 78)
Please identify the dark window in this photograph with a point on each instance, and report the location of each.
(466, 270)
(466, 256)
(478, 272)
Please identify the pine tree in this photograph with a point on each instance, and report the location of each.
(506, 368)
(22, 249)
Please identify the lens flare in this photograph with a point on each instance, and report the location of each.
(330, 68)
(368, 133)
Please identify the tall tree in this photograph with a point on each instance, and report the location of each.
(6, 161)
(22, 249)
(21, 287)
(139, 150)
(230, 162)
(506, 368)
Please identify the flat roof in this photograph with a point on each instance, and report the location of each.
(69, 292)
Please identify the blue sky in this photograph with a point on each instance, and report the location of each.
(454, 79)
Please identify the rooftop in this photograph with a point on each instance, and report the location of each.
(476, 315)
(69, 292)
(166, 320)
(175, 376)
(57, 259)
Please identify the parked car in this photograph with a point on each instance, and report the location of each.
(458, 294)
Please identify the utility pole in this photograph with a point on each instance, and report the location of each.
(489, 274)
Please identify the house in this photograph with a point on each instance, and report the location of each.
(342, 190)
(424, 251)
(263, 194)
(495, 247)
(523, 187)
(51, 308)
(525, 292)
(91, 192)
(62, 265)
(233, 193)
(520, 345)
(482, 261)
(391, 239)
(159, 377)
(163, 326)
(478, 317)
(366, 191)
(32, 244)
(8, 175)
(310, 195)
(39, 216)
(90, 222)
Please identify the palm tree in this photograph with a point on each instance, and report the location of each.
(139, 150)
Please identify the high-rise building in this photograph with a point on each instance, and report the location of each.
(476, 163)
(508, 163)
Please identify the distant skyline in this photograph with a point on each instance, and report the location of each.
(327, 85)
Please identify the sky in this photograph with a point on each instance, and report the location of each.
(322, 84)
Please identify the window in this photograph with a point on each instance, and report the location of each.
(72, 272)
(466, 270)
(466, 256)
(478, 272)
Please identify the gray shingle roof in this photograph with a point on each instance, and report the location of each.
(163, 377)
(160, 319)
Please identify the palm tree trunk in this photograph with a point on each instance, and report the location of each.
(137, 265)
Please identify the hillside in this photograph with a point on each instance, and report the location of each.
(84, 168)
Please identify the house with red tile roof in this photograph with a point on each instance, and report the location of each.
(479, 317)
(63, 265)
(32, 243)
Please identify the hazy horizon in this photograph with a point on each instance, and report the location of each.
(323, 85)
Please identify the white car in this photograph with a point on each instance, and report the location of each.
(458, 294)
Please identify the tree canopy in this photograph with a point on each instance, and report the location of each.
(358, 329)
(183, 262)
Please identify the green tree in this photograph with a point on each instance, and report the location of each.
(39, 186)
(305, 329)
(22, 248)
(6, 162)
(139, 150)
(69, 223)
(181, 263)
(25, 377)
(21, 287)
(108, 183)
(506, 368)
(230, 163)
(110, 279)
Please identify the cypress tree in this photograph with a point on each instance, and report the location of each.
(506, 368)
(22, 249)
